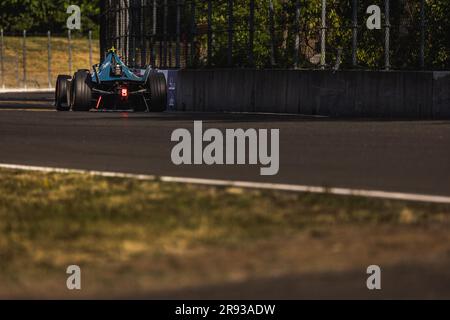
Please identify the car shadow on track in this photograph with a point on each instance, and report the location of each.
(227, 117)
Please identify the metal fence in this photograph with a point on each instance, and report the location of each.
(276, 33)
(34, 60)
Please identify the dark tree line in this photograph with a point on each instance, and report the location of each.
(40, 16)
(277, 33)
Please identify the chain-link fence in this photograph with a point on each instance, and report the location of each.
(278, 33)
(32, 60)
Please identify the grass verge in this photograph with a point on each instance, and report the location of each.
(37, 59)
(131, 237)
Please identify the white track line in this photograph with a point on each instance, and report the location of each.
(31, 90)
(243, 184)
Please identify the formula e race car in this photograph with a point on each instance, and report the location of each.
(112, 86)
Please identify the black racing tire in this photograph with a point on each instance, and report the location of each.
(156, 84)
(61, 93)
(81, 97)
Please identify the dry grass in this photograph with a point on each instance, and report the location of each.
(131, 237)
(37, 59)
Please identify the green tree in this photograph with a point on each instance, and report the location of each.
(39, 16)
(405, 33)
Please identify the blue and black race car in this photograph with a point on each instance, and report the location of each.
(113, 86)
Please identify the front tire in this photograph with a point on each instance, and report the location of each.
(81, 97)
(61, 93)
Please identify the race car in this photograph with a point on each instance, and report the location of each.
(112, 85)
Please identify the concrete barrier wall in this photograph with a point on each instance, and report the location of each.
(391, 94)
(441, 94)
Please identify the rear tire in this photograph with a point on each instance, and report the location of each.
(81, 97)
(157, 87)
(61, 93)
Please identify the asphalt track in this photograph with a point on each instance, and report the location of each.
(397, 156)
